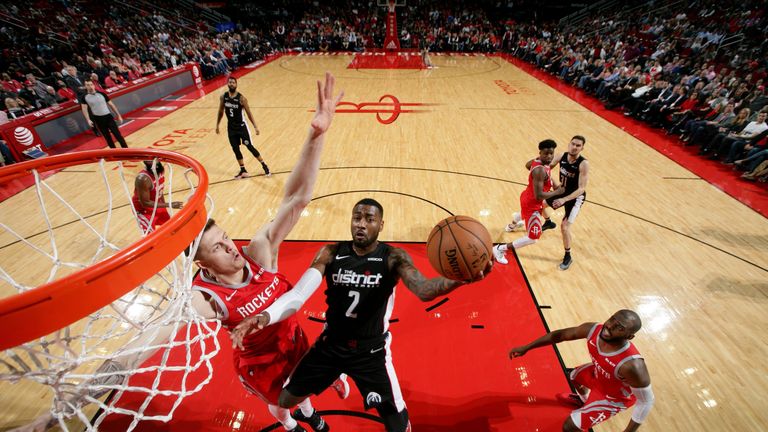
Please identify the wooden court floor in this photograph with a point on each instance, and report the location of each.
(652, 237)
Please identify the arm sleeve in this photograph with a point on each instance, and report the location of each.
(644, 403)
(287, 304)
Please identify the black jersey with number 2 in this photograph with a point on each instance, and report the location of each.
(360, 293)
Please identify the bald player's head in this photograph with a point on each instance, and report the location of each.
(631, 317)
(621, 326)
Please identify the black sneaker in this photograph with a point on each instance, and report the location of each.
(298, 428)
(314, 421)
(567, 261)
(266, 169)
(242, 174)
(548, 225)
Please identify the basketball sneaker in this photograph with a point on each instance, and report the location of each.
(566, 262)
(341, 386)
(548, 225)
(517, 222)
(314, 421)
(500, 255)
(266, 170)
(571, 399)
(242, 174)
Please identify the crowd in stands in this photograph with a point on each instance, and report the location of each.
(662, 65)
(66, 45)
(668, 69)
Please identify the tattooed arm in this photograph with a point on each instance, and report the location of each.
(426, 289)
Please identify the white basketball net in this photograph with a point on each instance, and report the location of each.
(78, 362)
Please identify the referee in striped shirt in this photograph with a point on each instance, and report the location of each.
(99, 104)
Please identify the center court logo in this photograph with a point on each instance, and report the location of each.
(387, 109)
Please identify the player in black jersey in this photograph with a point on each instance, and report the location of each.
(233, 103)
(360, 276)
(574, 174)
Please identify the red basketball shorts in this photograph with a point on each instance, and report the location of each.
(533, 221)
(146, 220)
(598, 407)
(266, 380)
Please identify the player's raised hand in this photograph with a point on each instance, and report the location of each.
(326, 105)
(248, 326)
(518, 351)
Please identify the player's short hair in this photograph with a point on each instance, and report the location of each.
(208, 226)
(547, 144)
(371, 202)
(231, 78)
(158, 167)
(580, 138)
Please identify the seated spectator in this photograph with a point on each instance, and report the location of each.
(65, 92)
(150, 68)
(100, 70)
(133, 73)
(37, 86)
(95, 79)
(760, 173)
(53, 98)
(676, 118)
(731, 130)
(74, 81)
(14, 108)
(10, 85)
(29, 95)
(754, 158)
(702, 130)
(113, 80)
(746, 140)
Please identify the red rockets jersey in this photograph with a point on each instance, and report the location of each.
(607, 366)
(237, 302)
(158, 187)
(527, 198)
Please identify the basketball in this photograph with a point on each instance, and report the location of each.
(459, 247)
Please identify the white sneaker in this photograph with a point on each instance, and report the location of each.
(514, 226)
(499, 255)
(341, 386)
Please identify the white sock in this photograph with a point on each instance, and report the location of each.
(306, 407)
(522, 242)
(283, 416)
(503, 247)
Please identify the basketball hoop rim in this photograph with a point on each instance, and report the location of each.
(57, 304)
